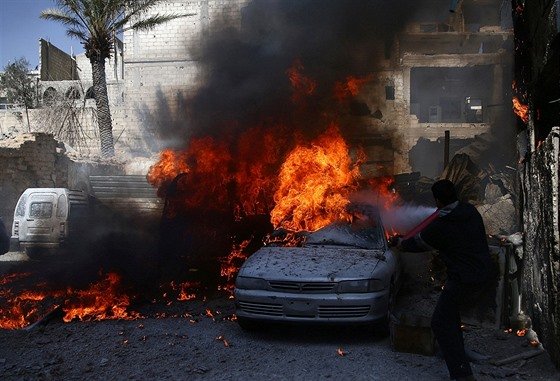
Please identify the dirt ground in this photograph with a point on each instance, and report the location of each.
(199, 339)
(199, 346)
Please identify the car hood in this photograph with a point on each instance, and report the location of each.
(312, 263)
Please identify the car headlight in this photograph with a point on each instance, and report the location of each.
(251, 283)
(361, 285)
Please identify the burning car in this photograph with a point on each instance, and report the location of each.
(343, 273)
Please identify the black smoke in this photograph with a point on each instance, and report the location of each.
(244, 66)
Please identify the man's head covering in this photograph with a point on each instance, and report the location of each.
(444, 191)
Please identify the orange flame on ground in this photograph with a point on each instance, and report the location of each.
(315, 183)
(521, 110)
(185, 291)
(103, 300)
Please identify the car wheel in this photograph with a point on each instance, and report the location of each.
(35, 252)
(382, 328)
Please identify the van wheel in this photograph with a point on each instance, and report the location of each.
(35, 252)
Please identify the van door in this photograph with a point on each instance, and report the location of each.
(40, 219)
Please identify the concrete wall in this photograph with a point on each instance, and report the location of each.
(55, 65)
(161, 70)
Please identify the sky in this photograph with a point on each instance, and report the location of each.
(21, 28)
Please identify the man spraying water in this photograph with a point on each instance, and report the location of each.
(458, 234)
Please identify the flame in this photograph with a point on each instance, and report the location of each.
(340, 352)
(231, 264)
(521, 110)
(383, 187)
(185, 291)
(302, 86)
(205, 161)
(170, 164)
(315, 182)
(103, 300)
(350, 88)
(521, 332)
(20, 310)
(260, 152)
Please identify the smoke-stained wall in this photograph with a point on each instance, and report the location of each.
(537, 38)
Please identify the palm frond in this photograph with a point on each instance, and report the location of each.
(60, 16)
(77, 33)
(152, 21)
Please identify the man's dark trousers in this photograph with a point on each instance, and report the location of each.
(446, 324)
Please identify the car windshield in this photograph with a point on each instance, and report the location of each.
(360, 233)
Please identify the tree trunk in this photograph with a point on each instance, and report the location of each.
(102, 102)
(27, 115)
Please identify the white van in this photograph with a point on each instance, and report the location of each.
(45, 218)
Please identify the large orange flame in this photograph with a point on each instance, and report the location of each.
(315, 182)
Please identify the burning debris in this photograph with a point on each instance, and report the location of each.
(102, 300)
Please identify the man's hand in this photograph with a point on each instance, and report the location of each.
(395, 241)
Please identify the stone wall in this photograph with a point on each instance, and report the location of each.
(541, 262)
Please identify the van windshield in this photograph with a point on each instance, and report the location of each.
(41, 210)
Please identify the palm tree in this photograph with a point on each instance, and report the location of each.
(96, 23)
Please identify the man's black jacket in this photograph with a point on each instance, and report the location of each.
(460, 238)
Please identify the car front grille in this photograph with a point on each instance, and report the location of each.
(343, 311)
(311, 287)
(269, 309)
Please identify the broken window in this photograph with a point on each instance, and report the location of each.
(440, 94)
(390, 92)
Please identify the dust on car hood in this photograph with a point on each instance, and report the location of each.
(315, 263)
